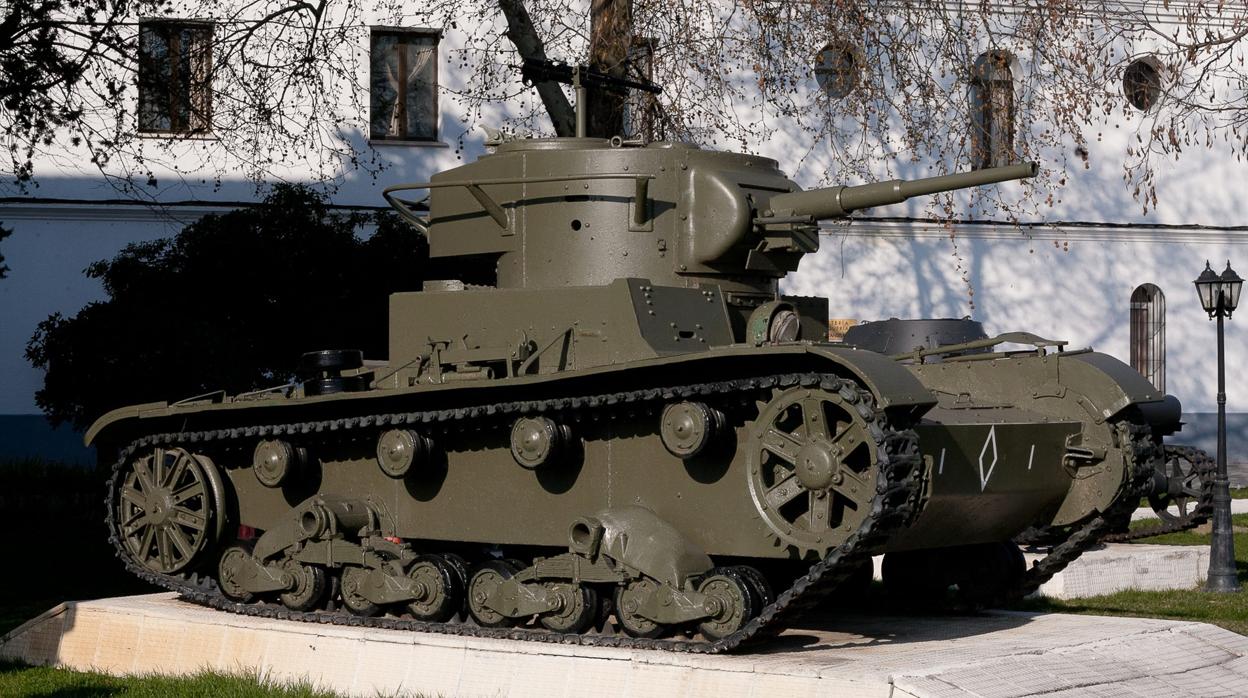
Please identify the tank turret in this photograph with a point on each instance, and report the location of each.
(550, 213)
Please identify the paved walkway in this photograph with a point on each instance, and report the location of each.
(994, 655)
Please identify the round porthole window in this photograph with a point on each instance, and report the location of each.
(1141, 83)
(836, 69)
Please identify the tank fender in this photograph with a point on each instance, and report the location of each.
(1165, 417)
(637, 538)
(1129, 387)
(895, 388)
(120, 414)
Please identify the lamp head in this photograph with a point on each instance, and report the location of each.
(1231, 286)
(1208, 287)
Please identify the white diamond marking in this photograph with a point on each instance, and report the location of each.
(991, 440)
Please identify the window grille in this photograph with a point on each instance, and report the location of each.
(403, 94)
(175, 77)
(992, 111)
(1148, 334)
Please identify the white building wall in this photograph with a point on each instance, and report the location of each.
(1066, 281)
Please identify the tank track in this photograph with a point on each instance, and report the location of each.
(1141, 455)
(899, 487)
(1200, 513)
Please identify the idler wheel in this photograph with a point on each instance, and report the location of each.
(274, 461)
(440, 589)
(233, 560)
(1184, 481)
(399, 449)
(169, 506)
(488, 577)
(812, 465)
(688, 427)
(352, 585)
(537, 441)
(628, 600)
(311, 585)
(578, 610)
(730, 601)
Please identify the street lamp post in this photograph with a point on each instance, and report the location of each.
(1219, 296)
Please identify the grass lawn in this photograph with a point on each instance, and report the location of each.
(1229, 611)
(19, 680)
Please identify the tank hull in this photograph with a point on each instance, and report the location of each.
(991, 473)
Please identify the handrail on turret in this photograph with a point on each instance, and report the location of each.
(493, 208)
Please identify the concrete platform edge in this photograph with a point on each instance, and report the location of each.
(994, 655)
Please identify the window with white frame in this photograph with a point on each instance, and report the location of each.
(175, 76)
(403, 94)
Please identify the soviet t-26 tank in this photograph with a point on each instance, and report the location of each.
(629, 436)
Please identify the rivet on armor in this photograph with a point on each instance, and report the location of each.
(687, 427)
(273, 461)
(399, 449)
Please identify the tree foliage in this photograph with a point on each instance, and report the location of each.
(282, 73)
(229, 303)
(737, 75)
(288, 96)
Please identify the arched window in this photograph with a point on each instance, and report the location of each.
(1141, 83)
(836, 69)
(992, 110)
(1148, 334)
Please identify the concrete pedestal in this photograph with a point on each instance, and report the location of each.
(1118, 566)
(995, 655)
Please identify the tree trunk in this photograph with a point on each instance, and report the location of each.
(529, 45)
(610, 35)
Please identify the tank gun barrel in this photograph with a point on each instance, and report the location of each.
(836, 202)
